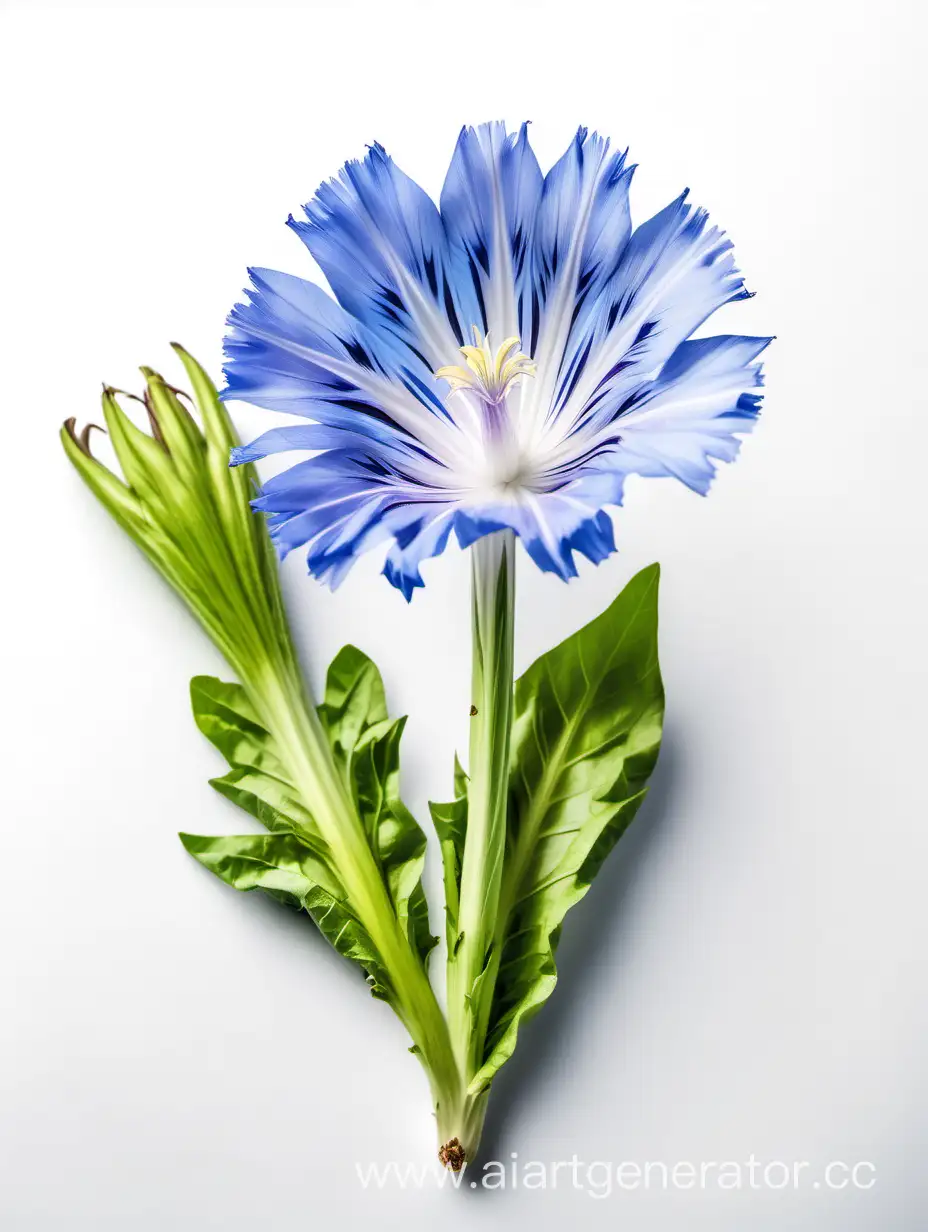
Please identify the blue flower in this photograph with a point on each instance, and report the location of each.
(503, 359)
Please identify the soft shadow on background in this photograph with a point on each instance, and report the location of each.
(589, 930)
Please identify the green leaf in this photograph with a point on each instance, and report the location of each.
(277, 863)
(266, 798)
(258, 781)
(348, 936)
(586, 736)
(365, 742)
(450, 821)
(226, 717)
(366, 746)
(282, 866)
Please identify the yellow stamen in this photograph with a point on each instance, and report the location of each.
(488, 375)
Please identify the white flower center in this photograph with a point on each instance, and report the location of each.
(484, 384)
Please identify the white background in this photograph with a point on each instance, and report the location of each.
(748, 974)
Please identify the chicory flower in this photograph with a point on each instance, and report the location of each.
(491, 367)
(495, 366)
(502, 360)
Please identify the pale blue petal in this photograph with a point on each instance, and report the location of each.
(291, 348)
(283, 440)
(552, 527)
(582, 228)
(692, 413)
(488, 206)
(606, 314)
(380, 242)
(416, 542)
(674, 272)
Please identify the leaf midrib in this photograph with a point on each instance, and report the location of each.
(555, 769)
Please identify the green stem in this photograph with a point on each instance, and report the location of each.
(293, 722)
(189, 513)
(472, 964)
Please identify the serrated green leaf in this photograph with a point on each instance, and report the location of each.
(354, 701)
(346, 935)
(284, 867)
(266, 798)
(190, 513)
(258, 781)
(366, 744)
(586, 736)
(272, 862)
(226, 717)
(450, 821)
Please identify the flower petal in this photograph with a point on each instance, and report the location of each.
(379, 240)
(548, 266)
(582, 228)
(338, 505)
(416, 542)
(282, 440)
(690, 413)
(675, 271)
(328, 503)
(488, 206)
(292, 348)
(552, 526)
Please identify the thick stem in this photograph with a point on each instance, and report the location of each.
(189, 513)
(295, 726)
(459, 1132)
(472, 964)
